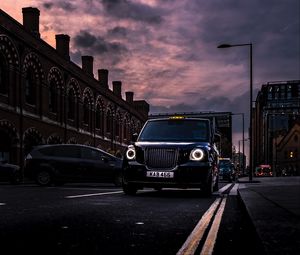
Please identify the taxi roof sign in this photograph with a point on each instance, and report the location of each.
(176, 117)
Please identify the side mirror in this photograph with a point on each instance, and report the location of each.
(134, 137)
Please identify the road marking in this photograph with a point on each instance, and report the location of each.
(233, 191)
(225, 188)
(209, 244)
(94, 194)
(2, 204)
(192, 242)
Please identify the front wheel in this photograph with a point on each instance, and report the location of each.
(44, 178)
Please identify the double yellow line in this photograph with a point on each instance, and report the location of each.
(214, 213)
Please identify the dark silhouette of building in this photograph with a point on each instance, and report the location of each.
(277, 109)
(45, 98)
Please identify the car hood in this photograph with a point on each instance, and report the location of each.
(183, 145)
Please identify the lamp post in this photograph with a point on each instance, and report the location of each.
(251, 100)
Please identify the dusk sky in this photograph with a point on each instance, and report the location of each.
(166, 50)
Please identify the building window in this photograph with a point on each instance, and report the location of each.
(125, 129)
(52, 98)
(71, 105)
(30, 87)
(98, 117)
(276, 92)
(3, 76)
(270, 93)
(289, 92)
(282, 91)
(109, 122)
(117, 125)
(86, 111)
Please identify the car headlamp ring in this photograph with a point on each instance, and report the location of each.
(130, 153)
(197, 154)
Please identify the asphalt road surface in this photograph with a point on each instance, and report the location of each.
(101, 219)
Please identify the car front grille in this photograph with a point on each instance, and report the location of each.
(161, 158)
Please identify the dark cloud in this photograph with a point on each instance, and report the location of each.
(98, 45)
(48, 5)
(85, 39)
(111, 53)
(65, 5)
(118, 32)
(125, 9)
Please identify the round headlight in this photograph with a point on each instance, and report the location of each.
(197, 154)
(130, 153)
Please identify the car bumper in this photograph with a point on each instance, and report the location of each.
(183, 176)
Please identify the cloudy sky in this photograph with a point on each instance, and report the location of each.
(166, 50)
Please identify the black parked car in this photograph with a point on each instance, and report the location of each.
(173, 152)
(60, 163)
(10, 172)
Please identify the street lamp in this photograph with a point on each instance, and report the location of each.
(251, 100)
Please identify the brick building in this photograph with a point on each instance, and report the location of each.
(45, 98)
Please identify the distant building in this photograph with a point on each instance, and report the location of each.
(239, 159)
(277, 109)
(45, 98)
(222, 122)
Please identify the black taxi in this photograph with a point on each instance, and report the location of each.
(173, 152)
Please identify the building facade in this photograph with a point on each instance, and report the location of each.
(276, 112)
(45, 98)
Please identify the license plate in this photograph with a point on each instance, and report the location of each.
(160, 174)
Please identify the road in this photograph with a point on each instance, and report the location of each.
(94, 219)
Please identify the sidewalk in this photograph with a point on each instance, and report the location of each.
(273, 204)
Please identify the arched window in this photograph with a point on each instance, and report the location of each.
(3, 76)
(30, 87)
(86, 111)
(109, 122)
(125, 128)
(98, 116)
(52, 98)
(71, 104)
(117, 125)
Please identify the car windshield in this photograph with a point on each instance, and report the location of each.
(176, 130)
